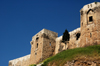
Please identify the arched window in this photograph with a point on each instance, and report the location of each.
(90, 16)
(89, 11)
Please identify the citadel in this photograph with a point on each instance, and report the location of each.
(46, 43)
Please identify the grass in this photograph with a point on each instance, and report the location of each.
(33, 65)
(68, 55)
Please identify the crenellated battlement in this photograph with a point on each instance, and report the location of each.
(90, 6)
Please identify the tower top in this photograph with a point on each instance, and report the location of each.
(90, 6)
(51, 33)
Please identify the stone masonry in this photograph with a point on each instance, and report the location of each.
(90, 24)
(22, 61)
(42, 45)
(46, 43)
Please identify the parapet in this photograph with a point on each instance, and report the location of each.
(59, 38)
(72, 33)
(90, 6)
(51, 33)
(21, 59)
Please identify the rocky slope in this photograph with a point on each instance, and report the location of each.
(87, 56)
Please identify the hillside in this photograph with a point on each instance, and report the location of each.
(76, 57)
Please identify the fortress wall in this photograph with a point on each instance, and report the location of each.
(51, 33)
(90, 24)
(37, 35)
(22, 61)
(98, 24)
(36, 47)
(46, 32)
(73, 43)
(45, 42)
(49, 43)
(58, 42)
(40, 45)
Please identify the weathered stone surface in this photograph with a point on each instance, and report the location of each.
(90, 29)
(83, 62)
(73, 42)
(42, 45)
(22, 61)
(46, 43)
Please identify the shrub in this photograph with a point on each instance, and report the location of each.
(66, 36)
(33, 65)
(95, 2)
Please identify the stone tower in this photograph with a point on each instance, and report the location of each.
(90, 24)
(42, 46)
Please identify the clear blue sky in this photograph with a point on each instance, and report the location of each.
(22, 19)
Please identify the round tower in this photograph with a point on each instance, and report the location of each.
(90, 24)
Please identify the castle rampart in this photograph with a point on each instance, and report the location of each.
(90, 24)
(42, 45)
(73, 42)
(46, 43)
(22, 61)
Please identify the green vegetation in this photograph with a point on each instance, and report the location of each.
(71, 54)
(96, 2)
(33, 65)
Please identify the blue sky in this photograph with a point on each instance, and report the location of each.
(22, 19)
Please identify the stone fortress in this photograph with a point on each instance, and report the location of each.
(46, 43)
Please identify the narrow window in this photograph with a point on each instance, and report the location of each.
(82, 23)
(35, 53)
(90, 35)
(81, 12)
(90, 19)
(50, 44)
(37, 45)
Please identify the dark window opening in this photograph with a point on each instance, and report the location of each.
(37, 45)
(77, 36)
(37, 38)
(35, 53)
(90, 19)
(90, 35)
(82, 23)
(81, 12)
(50, 44)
